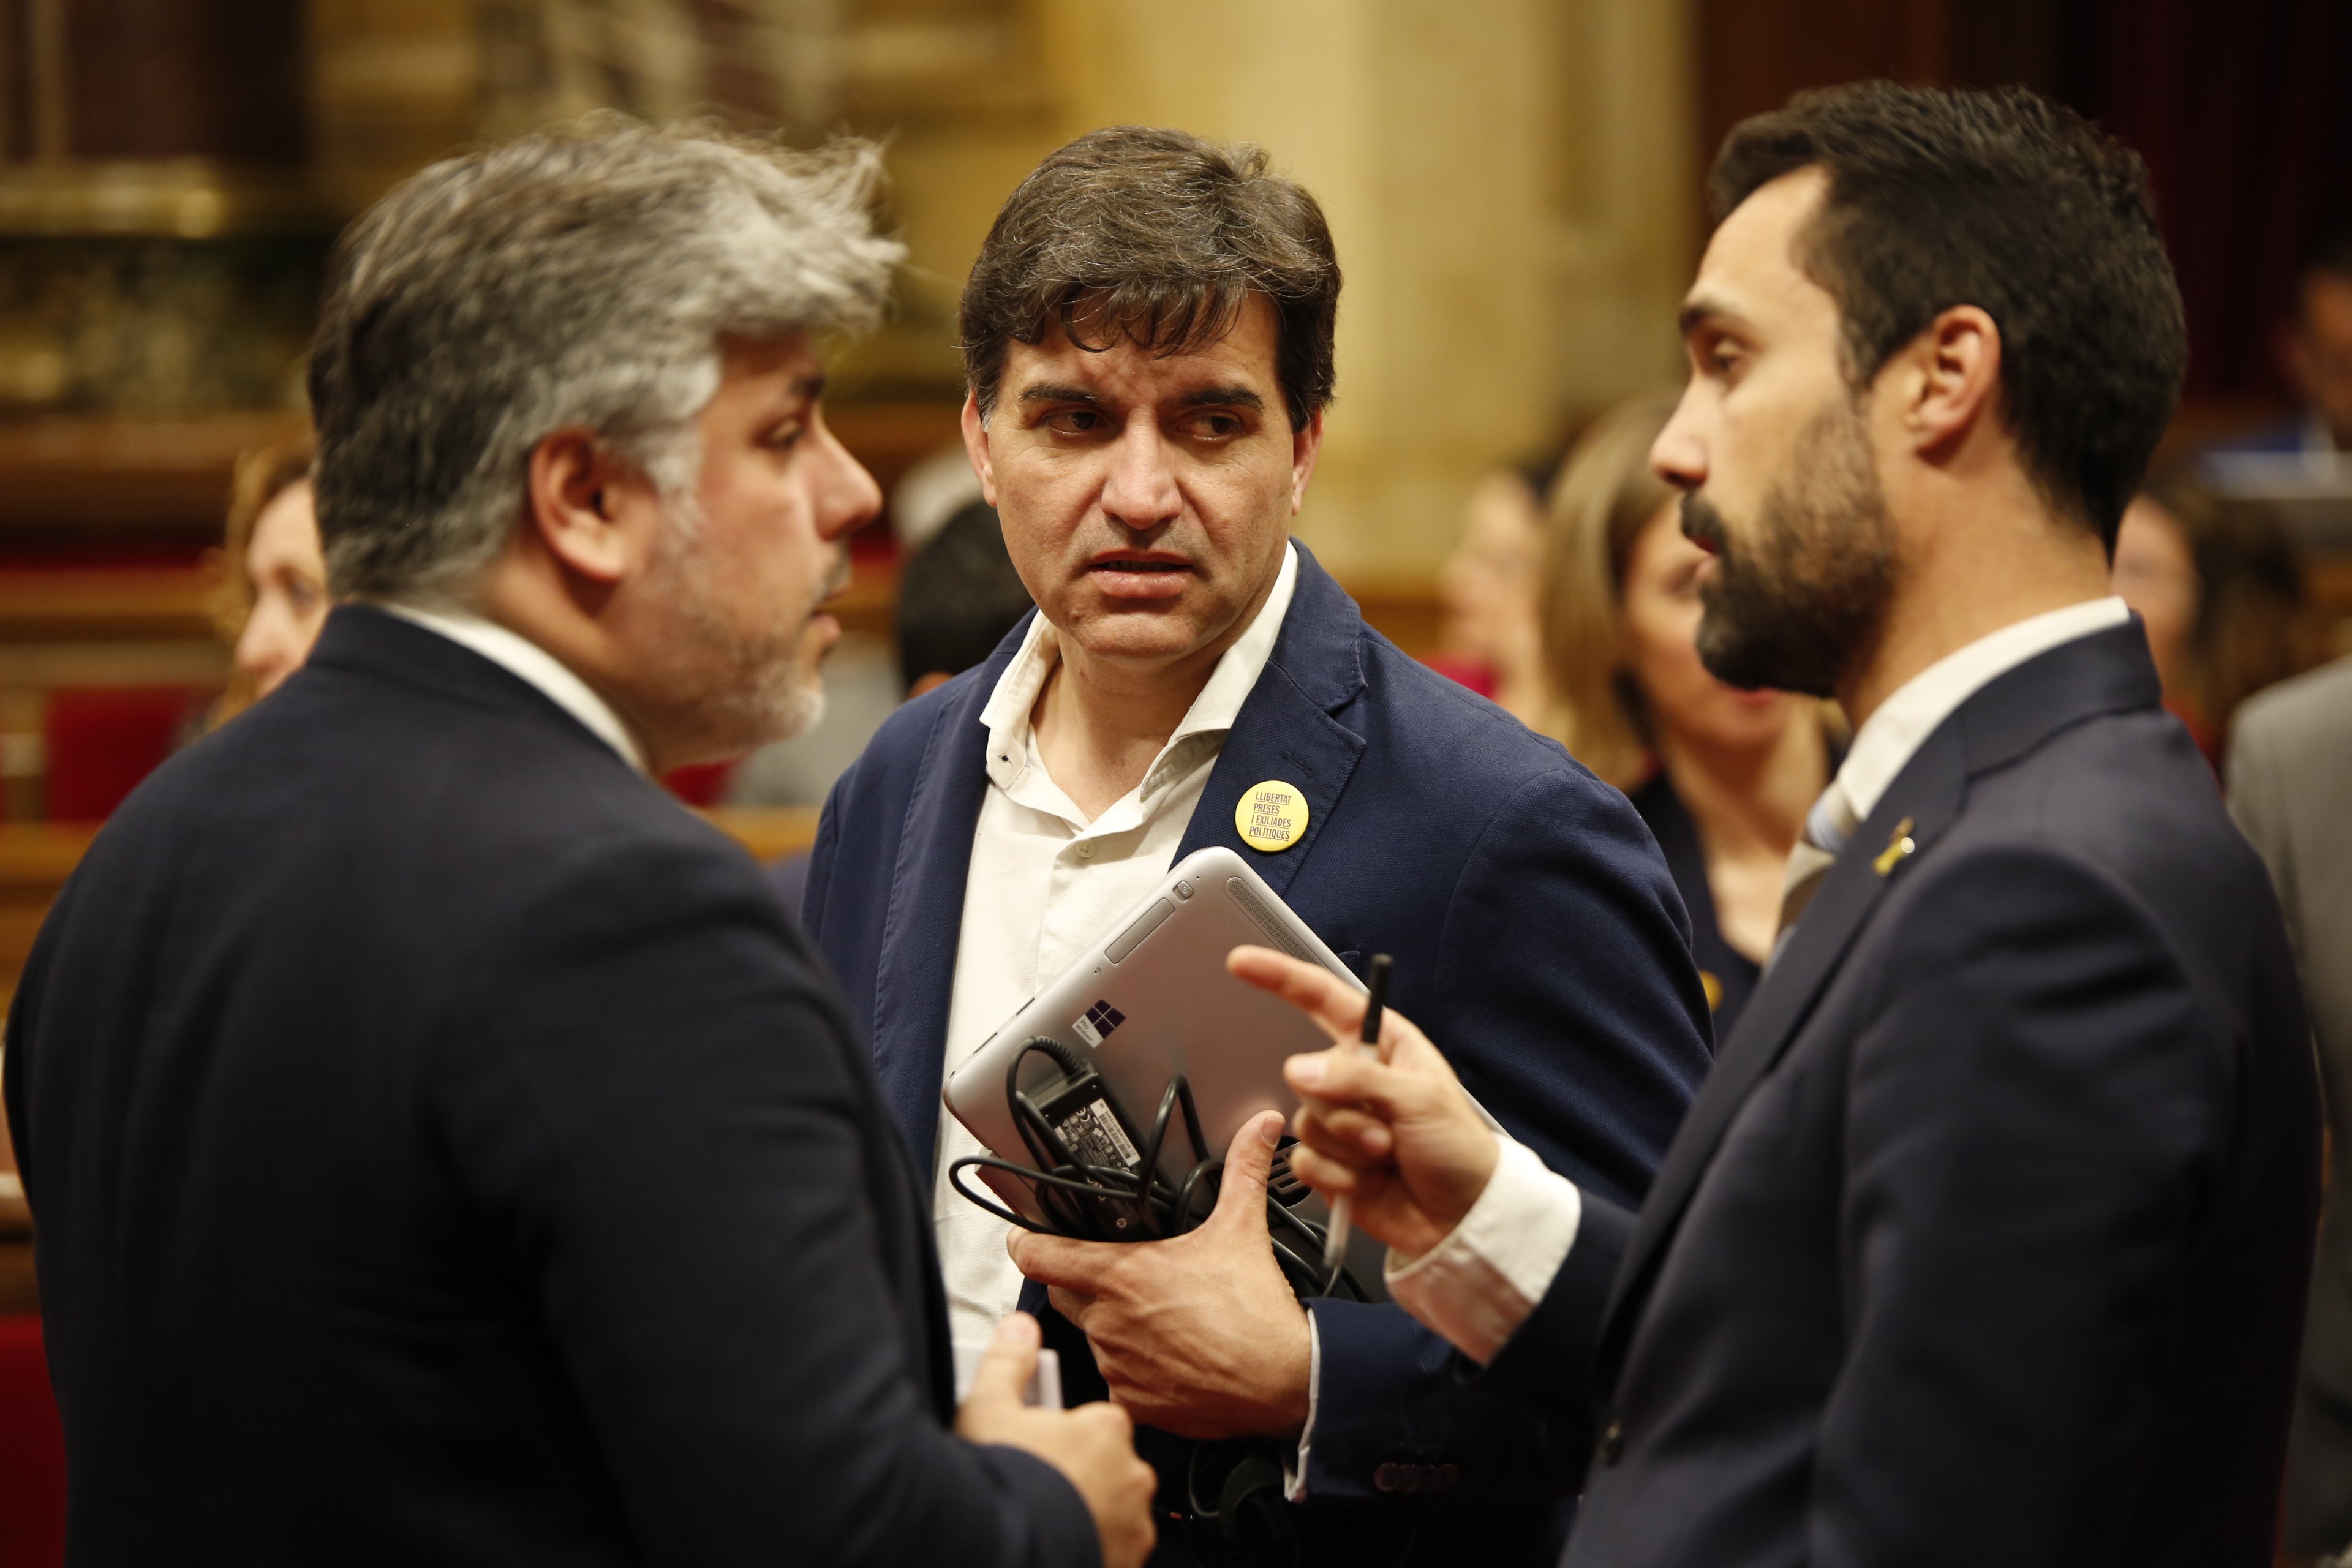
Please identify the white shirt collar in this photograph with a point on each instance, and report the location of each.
(1904, 721)
(1015, 696)
(525, 659)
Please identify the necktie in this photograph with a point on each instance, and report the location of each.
(1827, 827)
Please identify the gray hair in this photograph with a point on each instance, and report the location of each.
(580, 276)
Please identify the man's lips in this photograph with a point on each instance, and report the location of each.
(1140, 575)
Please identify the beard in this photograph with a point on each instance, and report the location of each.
(735, 691)
(1793, 606)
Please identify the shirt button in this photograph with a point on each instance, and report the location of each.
(1085, 851)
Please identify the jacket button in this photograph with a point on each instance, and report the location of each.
(1613, 1443)
(1387, 1478)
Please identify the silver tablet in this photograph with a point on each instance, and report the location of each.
(1150, 999)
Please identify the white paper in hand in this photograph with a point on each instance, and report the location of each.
(1044, 1384)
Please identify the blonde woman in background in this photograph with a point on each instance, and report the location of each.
(1724, 777)
(272, 596)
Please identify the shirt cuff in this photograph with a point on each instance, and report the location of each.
(1294, 1480)
(1478, 1284)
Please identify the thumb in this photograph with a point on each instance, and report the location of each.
(1241, 1192)
(1010, 1361)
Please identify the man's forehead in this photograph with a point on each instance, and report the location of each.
(1243, 355)
(1750, 270)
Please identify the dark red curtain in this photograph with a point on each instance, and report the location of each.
(2244, 112)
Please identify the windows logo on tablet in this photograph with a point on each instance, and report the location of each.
(1097, 1025)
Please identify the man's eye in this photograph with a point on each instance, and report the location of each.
(1074, 421)
(785, 437)
(1216, 427)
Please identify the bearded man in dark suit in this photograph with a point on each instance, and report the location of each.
(1986, 1241)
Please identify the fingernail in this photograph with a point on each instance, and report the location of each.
(1270, 1129)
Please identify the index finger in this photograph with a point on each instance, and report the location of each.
(1312, 989)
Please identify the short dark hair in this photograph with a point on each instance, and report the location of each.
(1157, 238)
(957, 596)
(2011, 203)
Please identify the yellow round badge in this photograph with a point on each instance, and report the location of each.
(1271, 816)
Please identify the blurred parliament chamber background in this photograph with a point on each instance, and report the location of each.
(1515, 186)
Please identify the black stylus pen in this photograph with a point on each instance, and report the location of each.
(1376, 1001)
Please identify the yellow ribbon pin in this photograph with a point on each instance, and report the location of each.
(1271, 816)
(1899, 848)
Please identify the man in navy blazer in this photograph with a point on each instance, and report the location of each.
(1146, 442)
(1986, 1241)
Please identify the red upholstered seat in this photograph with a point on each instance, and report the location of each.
(32, 1453)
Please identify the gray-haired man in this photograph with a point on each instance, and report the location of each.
(445, 1149)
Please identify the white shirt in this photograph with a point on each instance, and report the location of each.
(1044, 884)
(1478, 1284)
(525, 659)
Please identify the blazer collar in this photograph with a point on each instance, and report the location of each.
(2103, 673)
(1287, 730)
(370, 641)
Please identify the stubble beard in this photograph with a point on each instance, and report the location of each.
(734, 691)
(1796, 605)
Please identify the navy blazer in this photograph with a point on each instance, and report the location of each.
(445, 1150)
(1986, 1242)
(1537, 935)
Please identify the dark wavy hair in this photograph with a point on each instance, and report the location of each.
(1156, 239)
(2011, 203)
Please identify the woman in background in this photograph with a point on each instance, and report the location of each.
(1488, 592)
(273, 589)
(2219, 587)
(1724, 777)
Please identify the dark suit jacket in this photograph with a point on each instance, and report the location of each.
(444, 1148)
(1986, 1241)
(1537, 937)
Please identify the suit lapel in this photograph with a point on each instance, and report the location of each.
(1285, 730)
(2106, 672)
(1928, 793)
(923, 923)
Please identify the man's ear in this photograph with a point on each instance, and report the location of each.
(975, 444)
(573, 486)
(1954, 377)
(1305, 446)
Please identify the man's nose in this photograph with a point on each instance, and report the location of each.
(1139, 492)
(1678, 456)
(848, 497)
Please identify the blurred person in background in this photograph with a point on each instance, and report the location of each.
(1487, 590)
(958, 596)
(2290, 780)
(1723, 776)
(2313, 354)
(2218, 586)
(272, 587)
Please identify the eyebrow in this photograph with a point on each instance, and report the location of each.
(1057, 391)
(1701, 311)
(1227, 396)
